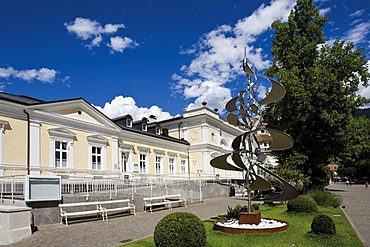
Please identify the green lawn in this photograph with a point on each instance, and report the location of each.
(296, 235)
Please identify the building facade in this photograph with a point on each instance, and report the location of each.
(72, 138)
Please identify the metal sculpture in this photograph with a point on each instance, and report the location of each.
(244, 111)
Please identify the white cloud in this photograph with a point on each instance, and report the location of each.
(44, 74)
(357, 13)
(323, 12)
(218, 55)
(84, 28)
(6, 72)
(112, 28)
(93, 31)
(96, 41)
(121, 106)
(118, 44)
(358, 33)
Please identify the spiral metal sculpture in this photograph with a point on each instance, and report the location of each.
(244, 111)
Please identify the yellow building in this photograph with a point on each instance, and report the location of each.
(72, 138)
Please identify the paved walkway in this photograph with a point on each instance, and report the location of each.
(120, 230)
(356, 200)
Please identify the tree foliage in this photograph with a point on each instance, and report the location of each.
(355, 160)
(321, 83)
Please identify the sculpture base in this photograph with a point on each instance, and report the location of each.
(255, 230)
(250, 218)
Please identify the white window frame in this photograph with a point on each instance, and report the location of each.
(97, 141)
(183, 167)
(61, 135)
(129, 122)
(126, 150)
(63, 149)
(158, 130)
(171, 165)
(143, 162)
(97, 165)
(144, 126)
(103, 156)
(158, 164)
(125, 160)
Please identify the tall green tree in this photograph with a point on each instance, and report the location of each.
(355, 160)
(321, 83)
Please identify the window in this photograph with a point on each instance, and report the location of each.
(183, 166)
(129, 122)
(158, 163)
(96, 158)
(97, 152)
(158, 130)
(61, 154)
(61, 147)
(124, 157)
(171, 166)
(144, 126)
(142, 165)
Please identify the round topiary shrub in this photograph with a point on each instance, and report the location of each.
(180, 229)
(302, 204)
(323, 225)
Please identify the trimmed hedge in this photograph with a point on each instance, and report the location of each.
(323, 225)
(302, 204)
(180, 229)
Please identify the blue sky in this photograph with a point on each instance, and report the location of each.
(150, 57)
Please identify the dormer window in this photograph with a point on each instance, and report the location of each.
(144, 127)
(129, 122)
(158, 130)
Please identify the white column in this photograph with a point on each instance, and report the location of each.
(34, 148)
(205, 133)
(2, 131)
(115, 153)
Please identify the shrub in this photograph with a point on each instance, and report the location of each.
(255, 207)
(323, 225)
(325, 198)
(233, 213)
(302, 204)
(180, 229)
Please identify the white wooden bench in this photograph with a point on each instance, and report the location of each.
(163, 201)
(116, 206)
(171, 199)
(85, 208)
(158, 201)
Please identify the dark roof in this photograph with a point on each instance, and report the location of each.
(21, 99)
(122, 117)
(168, 138)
